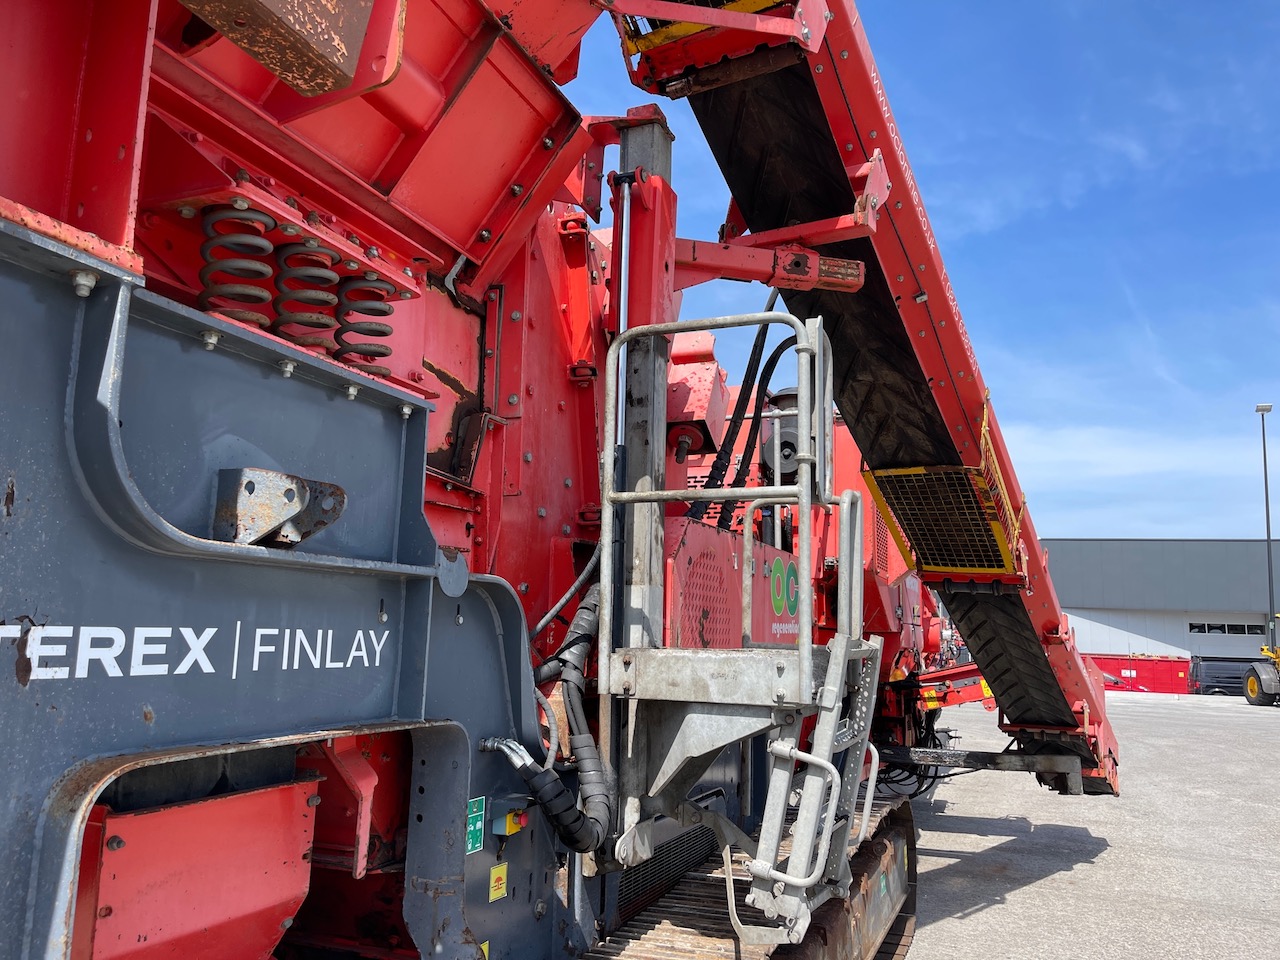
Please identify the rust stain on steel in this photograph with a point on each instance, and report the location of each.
(22, 666)
(55, 229)
(797, 264)
(312, 45)
(448, 381)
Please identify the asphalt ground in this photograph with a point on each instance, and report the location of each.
(1185, 863)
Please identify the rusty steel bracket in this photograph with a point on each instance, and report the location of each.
(788, 265)
(273, 509)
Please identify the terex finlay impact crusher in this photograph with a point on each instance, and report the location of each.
(386, 570)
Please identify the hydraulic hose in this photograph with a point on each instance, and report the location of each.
(729, 507)
(559, 605)
(581, 829)
(720, 466)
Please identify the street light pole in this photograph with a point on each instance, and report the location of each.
(1262, 410)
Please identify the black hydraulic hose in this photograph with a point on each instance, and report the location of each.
(720, 466)
(570, 660)
(730, 507)
(586, 829)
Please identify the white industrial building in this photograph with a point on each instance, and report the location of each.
(1179, 598)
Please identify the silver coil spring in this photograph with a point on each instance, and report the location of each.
(240, 233)
(365, 297)
(305, 270)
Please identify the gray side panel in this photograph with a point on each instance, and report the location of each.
(115, 422)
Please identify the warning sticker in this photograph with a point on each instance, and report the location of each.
(986, 690)
(498, 881)
(484, 948)
(475, 824)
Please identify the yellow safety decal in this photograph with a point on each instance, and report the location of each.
(986, 691)
(498, 881)
(930, 698)
(484, 948)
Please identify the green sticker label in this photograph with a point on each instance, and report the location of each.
(475, 824)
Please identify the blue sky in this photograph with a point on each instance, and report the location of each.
(1104, 181)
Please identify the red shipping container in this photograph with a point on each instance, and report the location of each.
(1145, 674)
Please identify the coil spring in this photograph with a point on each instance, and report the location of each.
(354, 297)
(305, 269)
(246, 239)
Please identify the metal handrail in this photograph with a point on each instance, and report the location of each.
(801, 491)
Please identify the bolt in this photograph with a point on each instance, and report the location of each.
(83, 282)
(459, 620)
(778, 888)
(515, 316)
(406, 295)
(771, 913)
(873, 134)
(547, 143)
(485, 235)
(523, 588)
(311, 243)
(528, 456)
(115, 843)
(513, 399)
(539, 910)
(313, 800)
(568, 482)
(818, 68)
(492, 296)
(289, 230)
(406, 411)
(286, 368)
(848, 147)
(626, 688)
(370, 275)
(240, 203)
(186, 213)
(286, 923)
(382, 616)
(210, 339)
(844, 54)
(565, 531)
(350, 264)
(354, 239)
(780, 694)
(781, 667)
(516, 189)
(805, 35)
(104, 912)
(789, 718)
(352, 391)
(242, 175)
(373, 253)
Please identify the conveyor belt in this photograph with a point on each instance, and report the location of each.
(771, 138)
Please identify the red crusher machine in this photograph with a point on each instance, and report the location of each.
(386, 569)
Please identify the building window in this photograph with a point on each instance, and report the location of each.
(1235, 629)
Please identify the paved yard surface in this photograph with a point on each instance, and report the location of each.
(1185, 863)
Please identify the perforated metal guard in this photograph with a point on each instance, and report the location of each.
(705, 620)
(947, 515)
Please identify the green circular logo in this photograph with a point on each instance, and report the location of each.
(784, 587)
